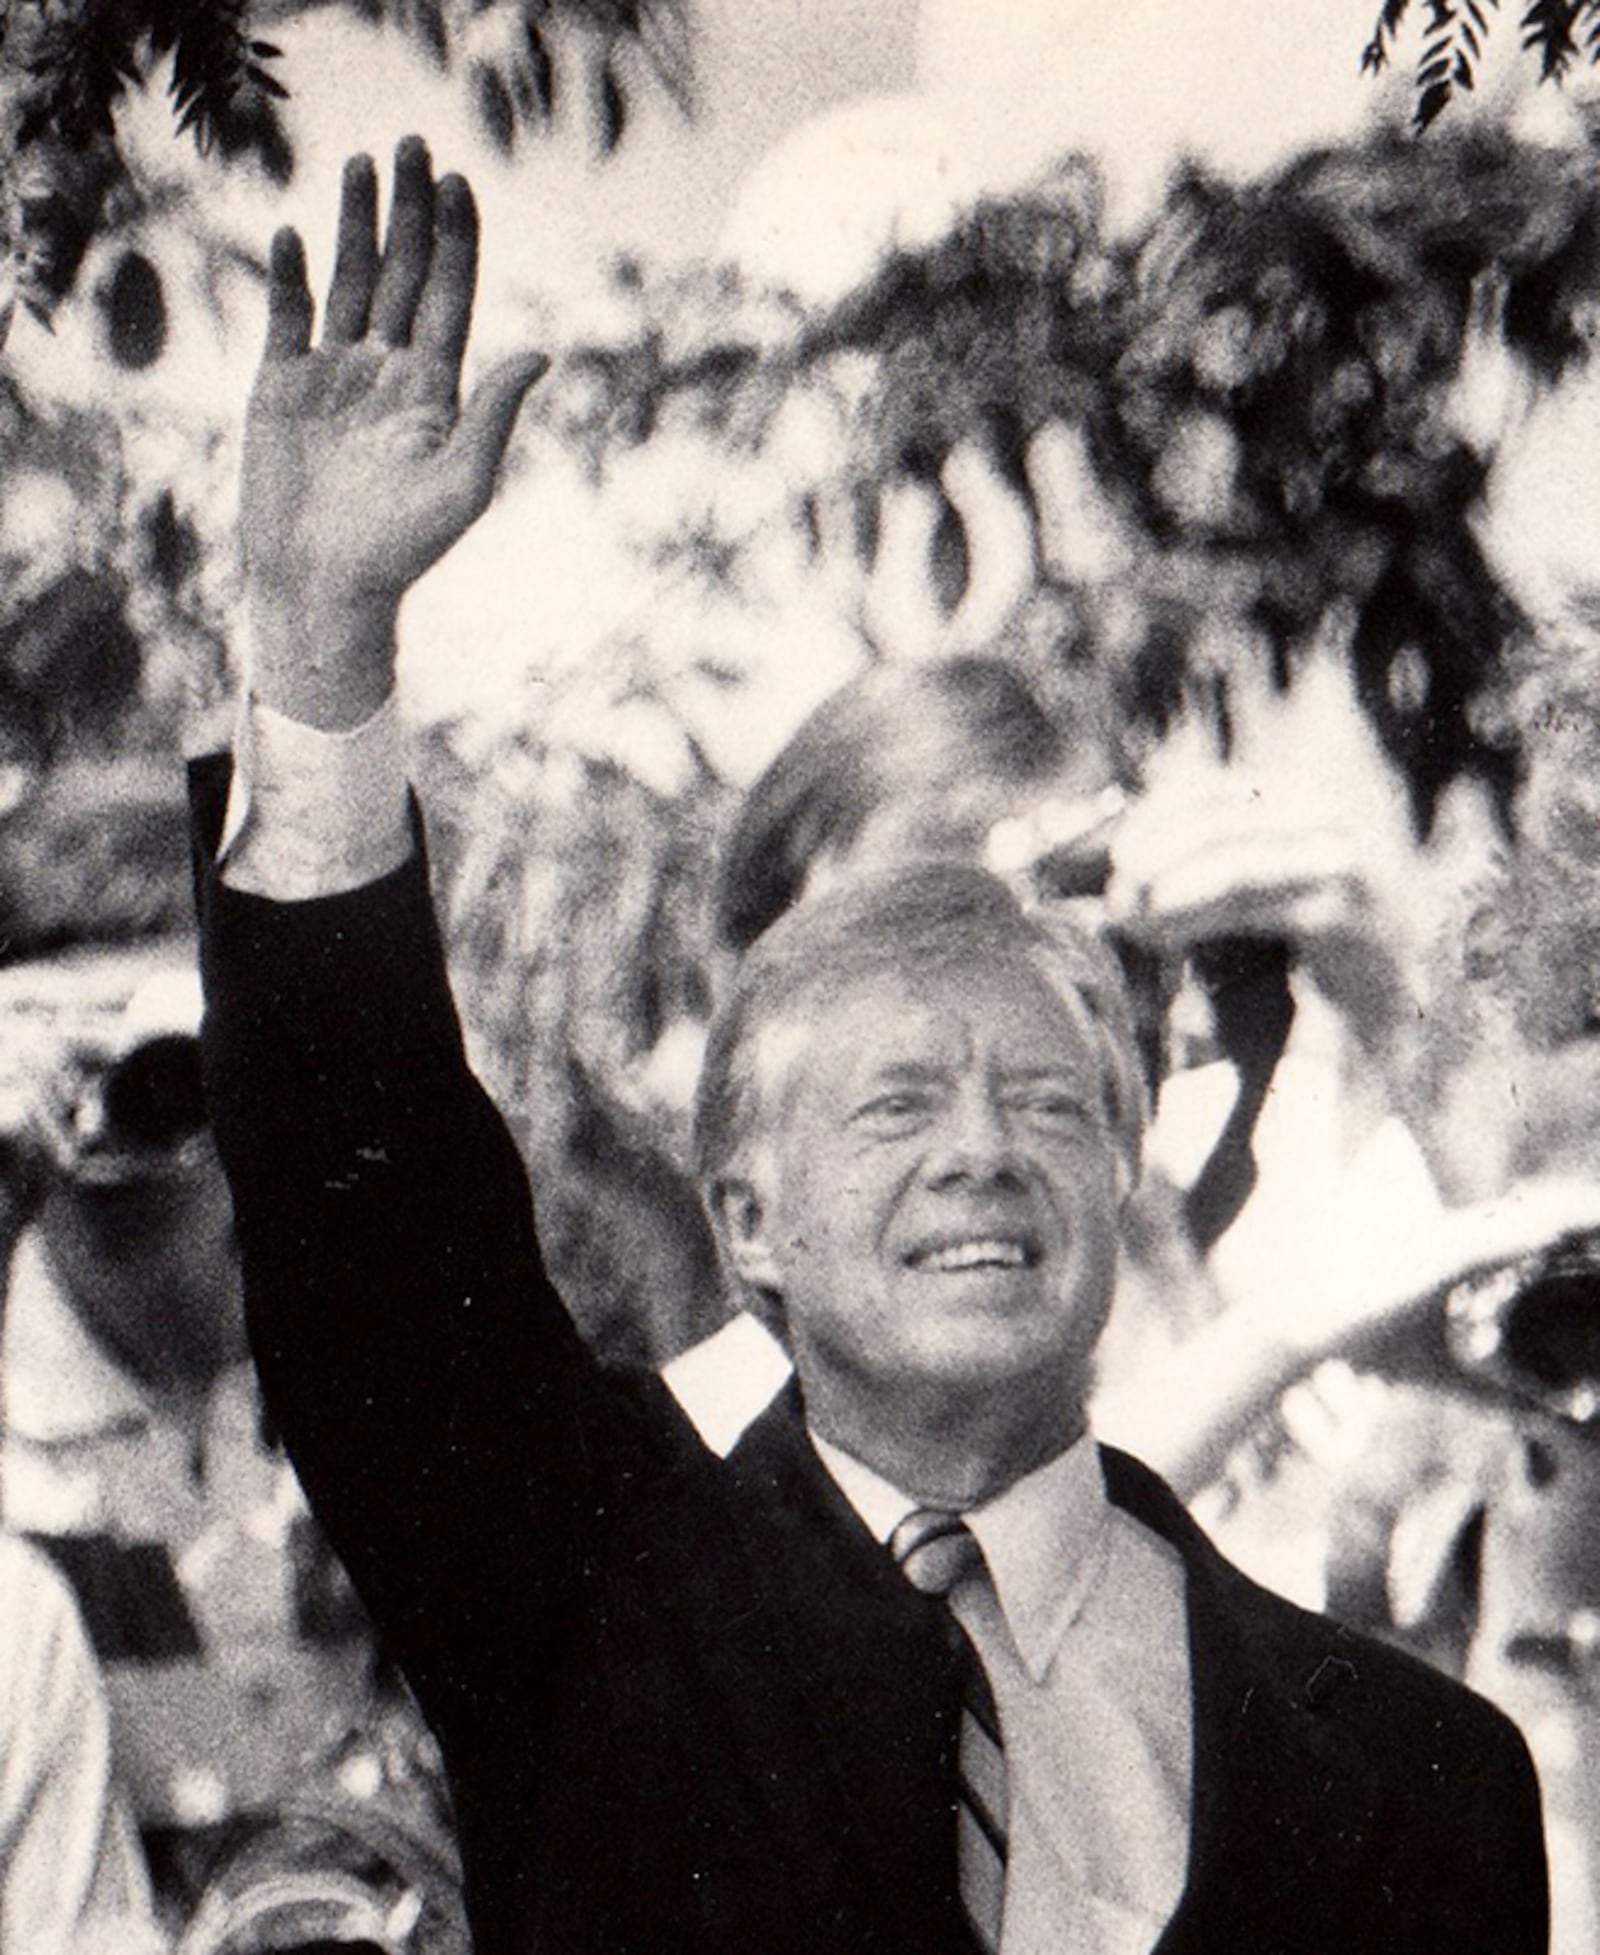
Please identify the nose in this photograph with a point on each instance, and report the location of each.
(974, 1145)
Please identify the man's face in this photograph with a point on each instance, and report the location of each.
(938, 1190)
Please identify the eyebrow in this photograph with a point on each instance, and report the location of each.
(905, 1072)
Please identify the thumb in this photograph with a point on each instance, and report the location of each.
(484, 426)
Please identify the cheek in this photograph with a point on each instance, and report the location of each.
(829, 1230)
(1089, 1192)
(819, 1234)
(799, 1224)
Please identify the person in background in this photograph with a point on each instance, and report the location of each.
(72, 1878)
(906, 763)
(133, 1448)
(359, 1856)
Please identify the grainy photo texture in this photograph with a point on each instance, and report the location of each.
(799, 977)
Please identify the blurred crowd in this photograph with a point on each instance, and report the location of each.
(1292, 695)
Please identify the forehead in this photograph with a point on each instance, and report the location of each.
(998, 1012)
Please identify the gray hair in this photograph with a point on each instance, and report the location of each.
(931, 917)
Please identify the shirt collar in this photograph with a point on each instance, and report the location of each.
(1045, 1539)
(878, 1501)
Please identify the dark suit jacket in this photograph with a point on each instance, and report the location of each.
(688, 1704)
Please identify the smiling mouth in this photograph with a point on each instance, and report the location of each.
(976, 1252)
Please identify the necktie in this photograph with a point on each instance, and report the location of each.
(936, 1551)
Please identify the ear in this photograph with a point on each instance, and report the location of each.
(741, 1216)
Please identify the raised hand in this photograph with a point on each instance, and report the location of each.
(361, 465)
(1302, 834)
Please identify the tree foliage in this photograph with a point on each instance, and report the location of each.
(77, 60)
(70, 62)
(524, 58)
(1555, 34)
(1259, 380)
(67, 66)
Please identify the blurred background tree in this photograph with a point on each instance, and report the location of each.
(66, 66)
(1129, 454)
(113, 520)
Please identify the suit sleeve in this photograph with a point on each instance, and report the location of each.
(456, 1438)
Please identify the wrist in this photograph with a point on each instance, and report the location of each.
(324, 659)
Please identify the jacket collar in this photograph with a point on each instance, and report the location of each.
(1046, 1539)
(1277, 1778)
(1272, 1762)
(870, 1658)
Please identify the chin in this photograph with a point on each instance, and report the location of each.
(987, 1354)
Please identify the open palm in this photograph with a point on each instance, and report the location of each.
(361, 466)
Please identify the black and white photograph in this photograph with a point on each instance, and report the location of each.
(799, 977)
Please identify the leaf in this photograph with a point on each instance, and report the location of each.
(1431, 104)
(165, 24)
(431, 29)
(1392, 17)
(1547, 30)
(1447, 65)
(613, 109)
(541, 67)
(496, 111)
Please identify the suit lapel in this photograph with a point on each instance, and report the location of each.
(1284, 1804)
(869, 1658)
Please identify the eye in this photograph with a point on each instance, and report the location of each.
(1053, 1107)
(902, 1107)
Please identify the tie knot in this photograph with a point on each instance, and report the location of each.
(935, 1550)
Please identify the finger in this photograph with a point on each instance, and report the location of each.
(407, 245)
(1246, 913)
(1160, 830)
(484, 429)
(444, 312)
(1252, 882)
(288, 298)
(355, 264)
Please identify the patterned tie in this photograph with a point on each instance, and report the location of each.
(935, 1551)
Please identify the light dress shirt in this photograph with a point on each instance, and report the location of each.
(1083, 1629)
(312, 813)
(72, 1878)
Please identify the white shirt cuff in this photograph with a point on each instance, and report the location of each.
(312, 813)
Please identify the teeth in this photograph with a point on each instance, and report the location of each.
(982, 1253)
